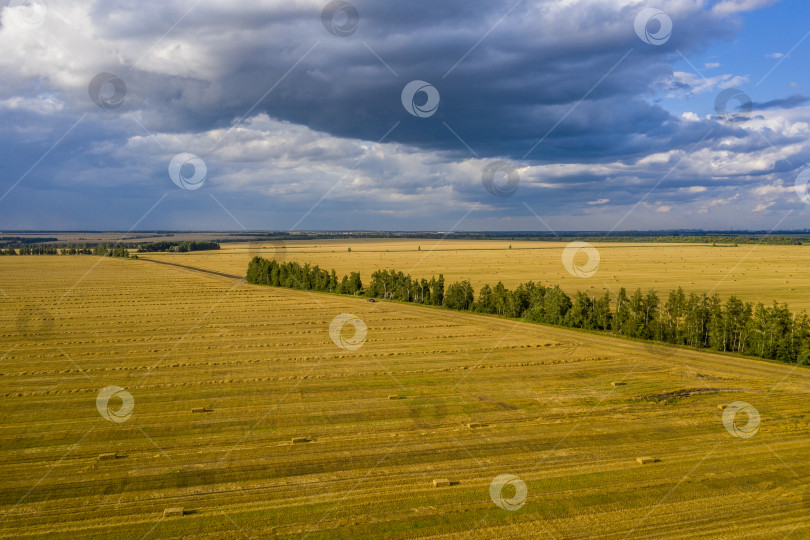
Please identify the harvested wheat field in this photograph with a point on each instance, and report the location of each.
(147, 401)
(753, 272)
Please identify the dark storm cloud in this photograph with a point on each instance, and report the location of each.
(506, 94)
(790, 102)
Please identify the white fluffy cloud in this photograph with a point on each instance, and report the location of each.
(729, 7)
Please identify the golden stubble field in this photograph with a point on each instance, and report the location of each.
(755, 273)
(540, 401)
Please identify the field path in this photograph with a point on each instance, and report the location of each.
(195, 268)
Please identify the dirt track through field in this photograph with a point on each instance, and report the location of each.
(195, 268)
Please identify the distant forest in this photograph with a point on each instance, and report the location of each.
(102, 250)
(114, 250)
(179, 247)
(726, 238)
(696, 320)
(688, 237)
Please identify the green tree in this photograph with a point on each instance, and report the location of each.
(437, 291)
(555, 305)
(484, 303)
(459, 296)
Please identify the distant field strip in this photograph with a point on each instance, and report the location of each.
(755, 273)
(225, 376)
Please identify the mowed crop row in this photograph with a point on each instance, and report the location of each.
(263, 365)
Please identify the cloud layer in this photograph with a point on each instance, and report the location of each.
(302, 128)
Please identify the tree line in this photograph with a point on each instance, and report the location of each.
(295, 276)
(796, 237)
(178, 247)
(20, 241)
(113, 250)
(103, 250)
(30, 250)
(698, 320)
(117, 250)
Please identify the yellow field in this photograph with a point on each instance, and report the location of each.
(755, 273)
(262, 361)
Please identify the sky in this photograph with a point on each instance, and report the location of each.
(425, 116)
